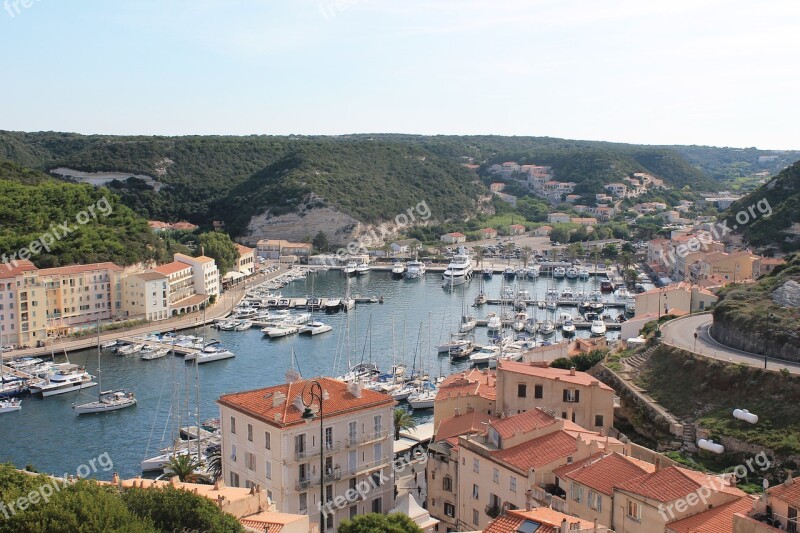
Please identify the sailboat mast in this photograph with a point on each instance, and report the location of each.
(99, 372)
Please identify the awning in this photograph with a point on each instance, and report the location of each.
(403, 445)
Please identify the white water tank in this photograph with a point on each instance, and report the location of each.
(744, 414)
(710, 446)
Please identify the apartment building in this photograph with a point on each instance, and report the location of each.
(617, 189)
(453, 238)
(558, 218)
(473, 390)
(572, 395)
(10, 275)
(267, 442)
(680, 298)
(246, 263)
(277, 248)
(735, 266)
(775, 510)
(146, 295)
(204, 272)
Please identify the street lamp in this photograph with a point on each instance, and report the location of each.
(315, 394)
(771, 316)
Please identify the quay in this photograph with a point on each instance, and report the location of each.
(610, 324)
(562, 303)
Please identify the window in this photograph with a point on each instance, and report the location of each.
(328, 493)
(475, 517)
(377, 505)
(449, 509)
(447, 483)
(250, 432)
(598, 420)
(233, 426)
(475, 492)
(512, 484)
(328, 438)
(634, 510)
(476, 466)
(495, 475)
(571, 395)
(538, 391)
(268, 470)
(234, 479)
(233, 453)
(300, 443)
(353, 511)
(595, 501)
(303, 501)
(250, 460)
(522, 390)
(377, 424)
(351, 432)
(267, 440)
(575, 492)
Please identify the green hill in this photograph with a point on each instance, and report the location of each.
(33, 206)
(779, 230)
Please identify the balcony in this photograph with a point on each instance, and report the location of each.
(329, 449)
(493, 511)
(330, 477)
(353, 441)
(367, 467)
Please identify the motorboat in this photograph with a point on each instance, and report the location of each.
(211, 352)
(107, 401)
(551, 304)
(506, 292)
(509, 273)
(598, 328)
(485, 355)
(630, 305)
(583, 274)
(468, 323)
(559, 272)
(547, 328)
(461, 351)
(315, 328)
(533, 271)
(567, 294)
(362, 268)
(156, 353)
(415, 269)
(314, 303)
(423, 398)
(622, 294)
(68, 378)
(243, 325)
(572, 273)
(10, 405)
(108, 345)
(568, 328)
(400, 392)
(129, 349)
(350, 268)
(520, 319)
(480, 299)
(606, 286)
(456, 342)
(333, 305)
(280, 330)
(532, 325)
(398, 269)
(524, 295)
(348, 303)
(226, 325)
(494, 323)
(459, 271)
(488, 273)
(13, 387)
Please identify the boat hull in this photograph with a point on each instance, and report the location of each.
(64, 390)
(100, 407)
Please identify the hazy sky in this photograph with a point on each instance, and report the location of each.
(719, 72)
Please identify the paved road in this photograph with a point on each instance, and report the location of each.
(680, 334)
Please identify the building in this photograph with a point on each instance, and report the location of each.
(487, 233)
(543, 231)
(735, 266)
(469, 391)
(10, 273)
(541, 520)
(617, 189)
(146, 295)
(497, 187)
(516, 229)
(453, 238)
(158, 226)
(572, 198)
(602, 198)
(779, 505)
(764, 265)
(246, 263)
(681, 298)
(403, 246)
(558, 218)
(572, 395)
(584, 221)
(204, 271)
(267, 442)
(277, 248)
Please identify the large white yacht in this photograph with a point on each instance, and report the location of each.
(66, 378)
(459, 271)
(415, 269)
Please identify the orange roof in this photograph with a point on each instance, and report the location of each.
(523, 423)
(674, 482)
(271, 522)
(12, 268)
(602, 472)
(243, 250)
(198, 259)
(184, 226)
(172, 268)
(554, 374)
(714, 520)
(539, 451)
(471, 383)
(517, 226)
(276, 405)
(77, 269)
(549, 519)
(488, 230)
(455, 234)
(789, 493)
(468, 423)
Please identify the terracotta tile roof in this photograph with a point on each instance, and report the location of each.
(674, 482)
(77, 269)
(172, 268)
(473, 382)
(714, 520)
(150, 276)
(523, 423)
(559, 374)
(602, 472)
(463, 424)
(12, 268)
(271, 522)
(243, 250)
(538, 452)
(549, 519)
(788, 493)
(276, 405)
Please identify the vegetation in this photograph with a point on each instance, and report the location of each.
(219, 246)
(89, 507)
(34, 207)
(582, 362)
(184, 466)
(379, 523)
(402, 421)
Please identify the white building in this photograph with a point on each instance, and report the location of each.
(266, 442)
(205, 273)
(146, 295)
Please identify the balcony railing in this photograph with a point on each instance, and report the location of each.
(311, 452)
(493, 511)
(329, 477)
(367, 438)
(366, 467)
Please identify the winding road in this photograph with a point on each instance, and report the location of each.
(680, 333)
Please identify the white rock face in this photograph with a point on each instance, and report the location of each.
(787, 295)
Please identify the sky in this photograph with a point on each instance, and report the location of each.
(712, 72)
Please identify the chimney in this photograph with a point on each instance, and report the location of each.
(572, 371)
(355, 388)
(564, 526)
(658, 463)
(278, 399)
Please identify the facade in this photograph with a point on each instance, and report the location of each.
(736, 266)
(180, 279)
(516, 229)
(584, 221)
(617, 189)
(246, 263)
(470, 391)
(558, 218)
(277, 248)
(543, 231)
(146, 295)
(10, 274)
(205, 273)
(453, 238)
(266, 442)
(487, 233)
(575, 396)
(680, 298)
(403, 246)
(764, 265)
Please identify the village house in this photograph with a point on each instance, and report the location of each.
(487, 233)
(516, 229)
(453, 238)
(558, 218)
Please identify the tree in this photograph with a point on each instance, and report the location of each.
(184, 466)
(219, 246)
(379, 523)
(627, 247)
(173, 509)
(402, 420)
(559, 234)
(610, 251)
(215, 465)
(320, 242)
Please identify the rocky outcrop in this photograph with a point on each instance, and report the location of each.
(787, 295)
(737, 337)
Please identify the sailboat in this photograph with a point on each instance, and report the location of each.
(106, 400)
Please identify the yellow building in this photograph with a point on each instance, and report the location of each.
(734, 267)
(472, 390)
(681, 298)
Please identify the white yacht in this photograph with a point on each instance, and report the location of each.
(350, 268)
(559, 272)
(506, 292)
(280, 330)
(362, 268)
(415, 269)
(520, 319)
(348, 303)
(398, 269)
(422, 399)
(156, 353)
(509, 272)
(108, 345)
(583, 273)
(315, 328)
(622, 294)
(598, 328)
(567, 294)
(468, 323)
(547, 328)
(211, 352)
(533, 271)
(332, 305)
(568, 328)
(108, 401)
(532, 325)
(67, 378)
(10, 405)
(485, 355)
(572, 273)
(494, 323)
(244, 325)
(630, 305)
(459, 271)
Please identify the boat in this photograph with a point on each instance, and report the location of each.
(468, 323)
(333, 305)
(485, 355)
(10, 405)
(362, 268)
(129, 349)
(547, 328)
(67, 378)
(559, 272)
(398, 269)
(243, 325)
(462, 351)
(315, 328)
(211, 352)
(457, 342)
(568, 328)
(361, 371)
(598, 328)
(107, 401)
(533, 271)
(422, 399)
(622, 294)
(283, 303)
(567, 294)
(630, 305)
(280, 330)
(532, 325)
(583, 274)
(157, 353)
(350, 268)
(348, 303)
(520, 319)
(226, 325)
(494, 323)
(480, 299)
(506, 293)
(415, 269)
(401, 392)
(488, 273)
(551, 304)
(606, 286)
(11, 388)
(314, 303)
(459, 271)
(509, 273)
(108, 345)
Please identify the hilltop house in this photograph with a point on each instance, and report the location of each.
(453, 238)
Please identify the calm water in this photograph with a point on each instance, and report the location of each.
(416, 316)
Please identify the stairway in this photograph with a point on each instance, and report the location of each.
(636, 361)
(689, 438)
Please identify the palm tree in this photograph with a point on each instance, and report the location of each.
(402, 420)
(479, 253)
(526, 255)
(215, 465)
(184, 466)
